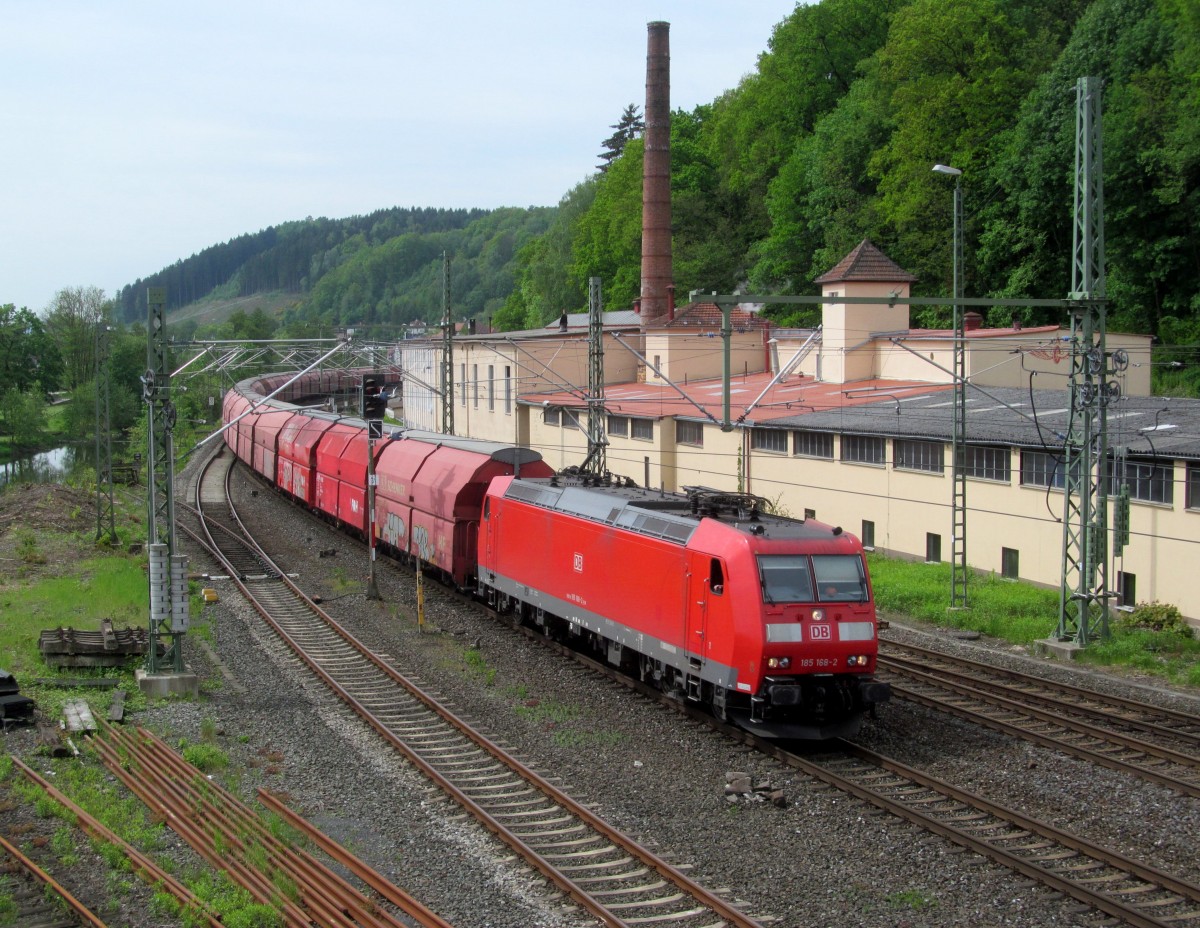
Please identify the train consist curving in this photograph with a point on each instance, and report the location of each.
(768, 621)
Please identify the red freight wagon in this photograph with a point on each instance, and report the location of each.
(334, 479)
(233, 406)
(767, 619)
(430, 490)
(266, 437)
(297, 455)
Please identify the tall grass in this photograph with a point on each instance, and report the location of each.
(98, 588)
(1002, 608)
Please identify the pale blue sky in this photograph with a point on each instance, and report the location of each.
(136, 133)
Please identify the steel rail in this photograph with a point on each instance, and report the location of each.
(140, 863)
(371, 877)
(1020, 727)
(1153, 887)
(574, 889)
(30, 866)
(1167, 723)
(220, 823)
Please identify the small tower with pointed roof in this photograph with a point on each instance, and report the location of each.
(848, 352)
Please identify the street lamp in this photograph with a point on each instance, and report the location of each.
(957, 255)
(958, 564)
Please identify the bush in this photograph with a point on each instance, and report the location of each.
(1157, 617)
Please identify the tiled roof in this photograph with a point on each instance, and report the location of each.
(866, 263)
(708, 316)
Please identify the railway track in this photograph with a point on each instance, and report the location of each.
(1135, 738)
(603, 871)
(1102, 879)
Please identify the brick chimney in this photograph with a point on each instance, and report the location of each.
(657, 280)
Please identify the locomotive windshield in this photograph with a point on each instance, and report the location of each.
(840, 578)
(791, 578)
(786, 578)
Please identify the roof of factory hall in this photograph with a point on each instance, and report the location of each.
(1148, 425)
(1141, 425)
(704, 399)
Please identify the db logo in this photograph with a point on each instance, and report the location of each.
(578, 563)
(820, 633)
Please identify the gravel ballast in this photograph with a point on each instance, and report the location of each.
(823, 859)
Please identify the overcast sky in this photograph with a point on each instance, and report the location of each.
(137, 133)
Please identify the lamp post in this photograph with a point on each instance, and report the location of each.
(958, 563)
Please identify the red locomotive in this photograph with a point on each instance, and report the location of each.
(769, 621)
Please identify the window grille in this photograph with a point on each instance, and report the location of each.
(928, 456)
(813, 444)
(864, 449)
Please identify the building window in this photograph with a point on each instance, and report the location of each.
(491, 388)
(775, 440)
(641, 429)
(619, 426)
(507, 390)
(475, 385)
(928, 456)
(868, 535)
(1148, 480)
(813, 444)
(1127, 588)
(552, 415)
(570, 419)
(1041, 469)
(987, 463)
(864, 449)
(933, 548)
(1010, 563)
(1193, 486)
(462, 379)
(810, 514)
(689, 433)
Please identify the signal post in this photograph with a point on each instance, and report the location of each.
(374, 404)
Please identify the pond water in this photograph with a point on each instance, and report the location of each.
(45, 467)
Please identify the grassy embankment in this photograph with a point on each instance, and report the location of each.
(1022, 613)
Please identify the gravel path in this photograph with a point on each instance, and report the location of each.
(825, 859)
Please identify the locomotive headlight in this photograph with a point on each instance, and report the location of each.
(818, 614)
(857, 660)
(779, 663)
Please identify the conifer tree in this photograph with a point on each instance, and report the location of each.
(628, 127)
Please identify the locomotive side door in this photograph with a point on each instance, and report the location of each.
(705, 579)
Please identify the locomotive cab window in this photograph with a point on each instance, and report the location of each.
(840, 578)
(716, 577)
(786, 578)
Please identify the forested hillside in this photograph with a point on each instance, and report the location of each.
(834, 137)
(831, 139)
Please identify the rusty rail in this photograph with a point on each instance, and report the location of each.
(81, 911)
(142, 865)
(231, 836)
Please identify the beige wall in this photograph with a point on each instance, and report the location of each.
(906, 505)
(994, 361)
(847, 353)
(682, 356)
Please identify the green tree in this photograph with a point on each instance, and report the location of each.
(630, 126)
(29, 358)
(71, 322)
(608, 240)
(24, 415)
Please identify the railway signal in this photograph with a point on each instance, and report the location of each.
(374, 397)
